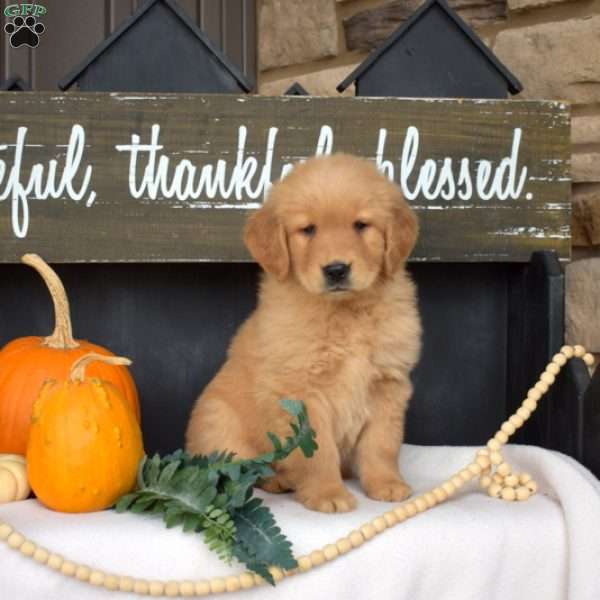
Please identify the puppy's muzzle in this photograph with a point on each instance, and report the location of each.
(336, 275)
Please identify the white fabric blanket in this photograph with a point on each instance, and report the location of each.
(471, 547)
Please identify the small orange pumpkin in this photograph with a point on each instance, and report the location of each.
(25, 363)
(85, 443)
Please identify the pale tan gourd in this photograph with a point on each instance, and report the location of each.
(13, 478)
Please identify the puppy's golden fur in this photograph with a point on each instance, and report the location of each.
(345, 345)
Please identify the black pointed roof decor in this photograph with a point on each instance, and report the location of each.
(158, 48)
(14, 84)
(296, 90)
(436, 54)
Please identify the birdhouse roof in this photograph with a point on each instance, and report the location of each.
(14, 83)
(69, 79)
(514, 85)
(296, 89)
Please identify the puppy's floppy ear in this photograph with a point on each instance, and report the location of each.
(265, 237)
(400, 234)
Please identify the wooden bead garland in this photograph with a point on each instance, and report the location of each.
(495, 475)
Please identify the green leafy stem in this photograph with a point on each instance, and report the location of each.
(214, 494)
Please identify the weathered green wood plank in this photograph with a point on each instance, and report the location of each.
(488, 179)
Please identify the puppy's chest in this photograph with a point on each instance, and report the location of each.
(343, 370)
(351, 350)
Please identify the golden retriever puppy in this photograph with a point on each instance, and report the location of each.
(336, 326)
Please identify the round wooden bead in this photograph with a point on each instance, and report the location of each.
(232, 584)
(524, 478)
(504, 469)
(356, 539)
(83, 572)
(589, 359)
(157, 588)
(111, 582)
(494, 445)
(172, 589)
(516, 420)
(522, 493)
(457, 481)
(508, 428)
(344, 545)
(542, 386)
(534, 394)
(41, 555)
(278, 574)
(475, 468)
(368, 530)
(497, 478)
(411, 509)
(559, 359)
(578, 351)
(420, 503)
(55, 561)
(202, 588)
(390, 518)
(68, 568)
(496, 458)
(449, 487)
(511, 481)
(465, 475)
(141, 587)
(532, 486)
(379, 524)
(508, 494)
(125, 582)
(304, 563)
(567, 351)
(501, 437)
(5, 531)
(485, 481)
(96, 577)
(430, 498)
(547, 377)
(15, 540)
(530, 404)
(440, 494)
(483, 461)
(246, 581)
(552, 368)
(217, 585)
(185, 589)
(401, 513)
(318, 558)
(330, 551)
(27, 548)
(483, 452)
(524, 413)
(495, 490)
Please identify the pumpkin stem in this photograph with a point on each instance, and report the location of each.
(62, 336)
(78, 368)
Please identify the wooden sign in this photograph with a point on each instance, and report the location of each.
(171, 177)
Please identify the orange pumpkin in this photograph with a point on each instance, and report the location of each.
(85, 442)
(25, 363)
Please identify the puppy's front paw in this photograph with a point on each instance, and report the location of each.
(274, 485)
(328, 500)
(388, 490)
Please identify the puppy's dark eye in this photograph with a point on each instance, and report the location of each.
(360, 226)
(309, 230)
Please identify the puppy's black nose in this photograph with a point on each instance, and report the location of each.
(336, 272)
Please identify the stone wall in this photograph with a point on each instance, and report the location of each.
(552, 46)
